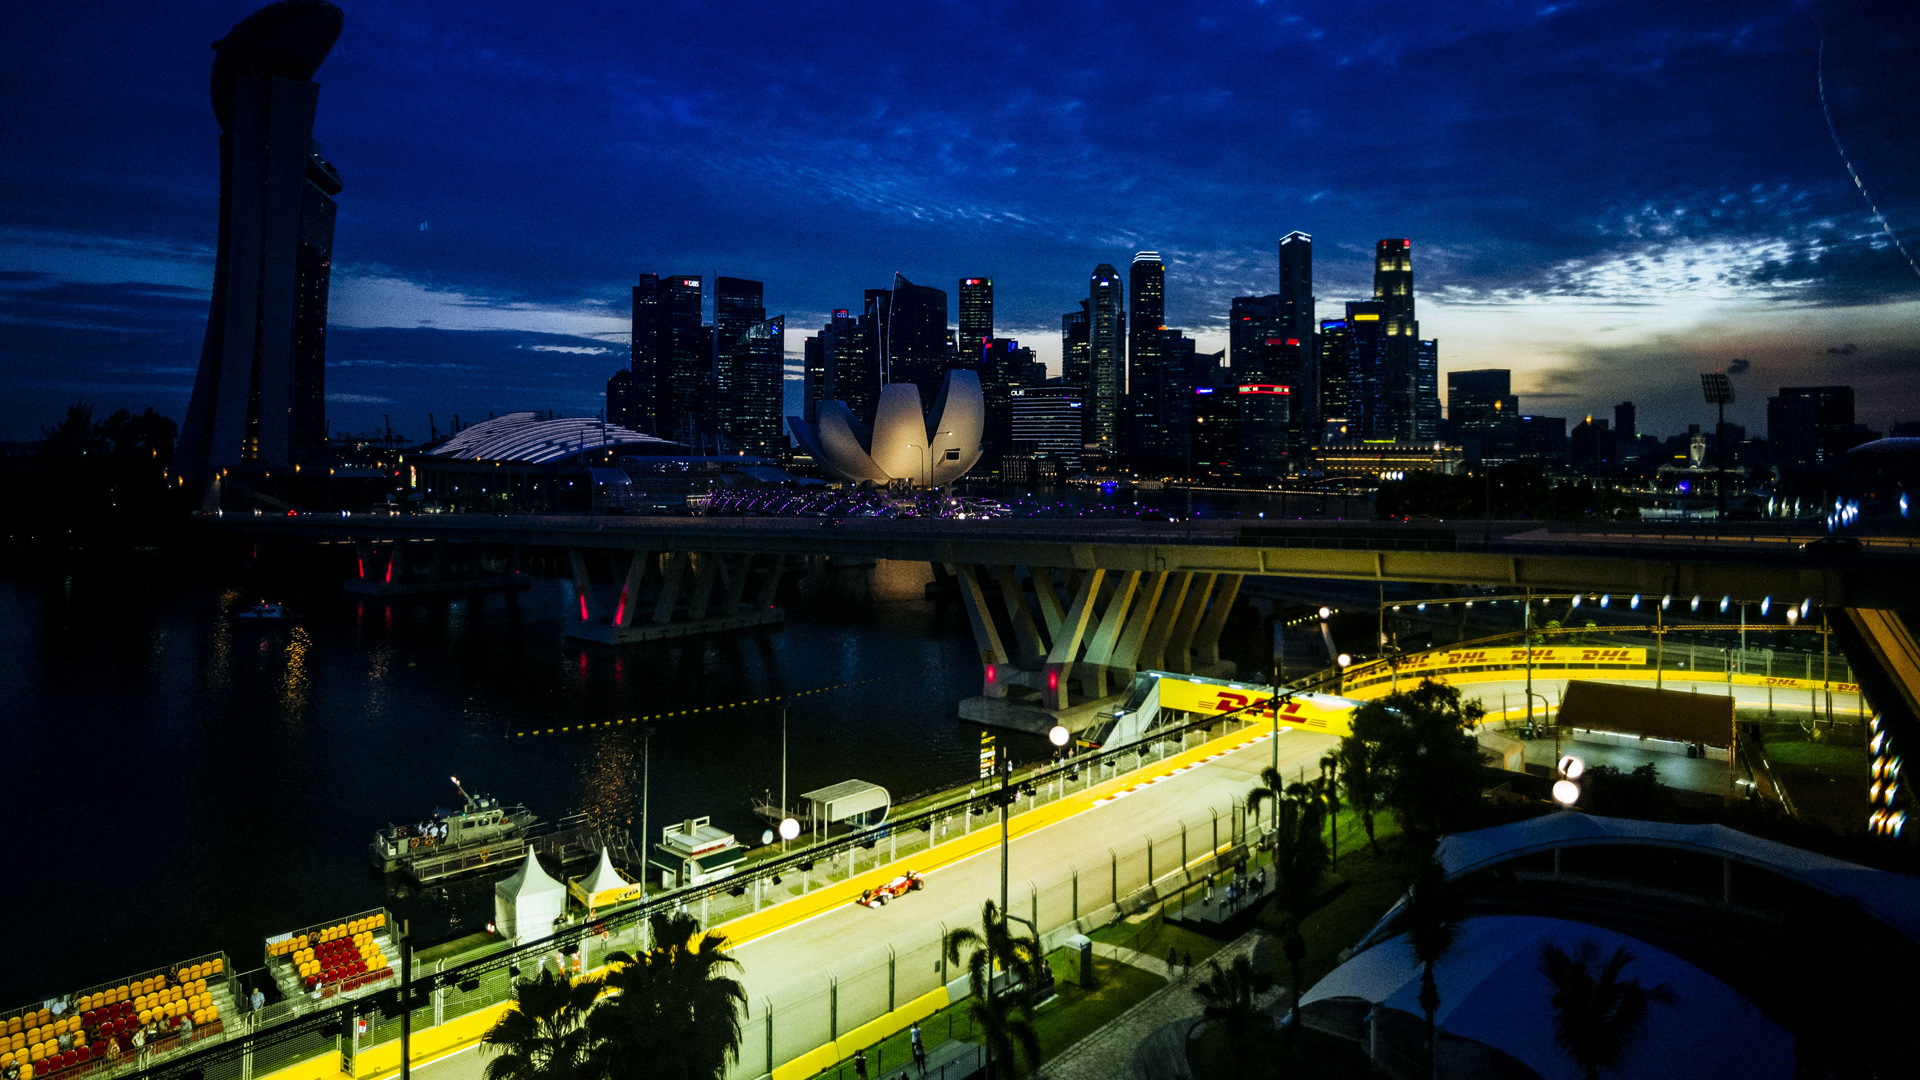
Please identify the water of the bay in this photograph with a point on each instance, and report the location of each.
(173, 783)
(176, 784)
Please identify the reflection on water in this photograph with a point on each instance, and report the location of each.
(230, 777)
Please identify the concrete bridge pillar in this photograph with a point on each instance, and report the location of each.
(659, 595)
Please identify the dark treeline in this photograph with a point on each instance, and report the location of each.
(96, 483)
(1517, 490)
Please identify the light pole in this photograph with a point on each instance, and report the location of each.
(646, 791)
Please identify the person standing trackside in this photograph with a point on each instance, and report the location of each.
(860, 1064)
(919, 1048)
(259, 1000)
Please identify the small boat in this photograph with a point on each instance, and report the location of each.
(480, 826)
(266, 611)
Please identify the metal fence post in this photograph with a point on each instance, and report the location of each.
(1216, 829)
(1076, 894)
(892, 960)
(1034, 893)
(833, 1007)
(769, 1004)
(1183, 845)
(1149, 861)
(1116, 878)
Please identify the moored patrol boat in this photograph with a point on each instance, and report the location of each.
(482, 827)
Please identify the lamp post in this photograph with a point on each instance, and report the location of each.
(646, 791)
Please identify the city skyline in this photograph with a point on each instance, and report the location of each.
(1533, 163)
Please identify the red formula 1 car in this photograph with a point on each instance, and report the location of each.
(900, 886)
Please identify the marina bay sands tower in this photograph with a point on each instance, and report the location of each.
(259, 398)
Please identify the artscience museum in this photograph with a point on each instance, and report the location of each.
(907, 445)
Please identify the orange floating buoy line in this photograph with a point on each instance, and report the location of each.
(773, 699)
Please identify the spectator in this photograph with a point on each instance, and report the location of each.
(860, 1064)
(259, 999)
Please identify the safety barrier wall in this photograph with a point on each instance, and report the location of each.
(455, 1003)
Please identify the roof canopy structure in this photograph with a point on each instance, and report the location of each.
(525, 437)
(846, 799)
(1492, 992)
(1893, 899)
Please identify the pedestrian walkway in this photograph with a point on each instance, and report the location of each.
(948, 1061)
(1148, 1041)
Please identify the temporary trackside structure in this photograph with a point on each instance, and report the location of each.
(1643, 710)
(606, 885)
(528, 904)
(847, 800)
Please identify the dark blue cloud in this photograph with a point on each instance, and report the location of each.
(543, 155)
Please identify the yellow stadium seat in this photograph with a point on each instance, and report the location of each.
(146, 1016)
(213, 1012)
(219, 965)
(26, 1072)
(39, 1051)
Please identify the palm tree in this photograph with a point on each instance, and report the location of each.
(1271, 786)
(1229, 996)
(1005, 1015)
(1433, 924)
(1299, 865)
(1361, 779)
(672, 1011)
(1328, 789)
(1596, 1014)
(543, 1036)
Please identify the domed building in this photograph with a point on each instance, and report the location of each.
(906, 445)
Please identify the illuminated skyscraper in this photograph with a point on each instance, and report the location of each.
(913, 335)
(738, 306)
(757, 391)
(683, 362)
(976, 314)
(259, 397)
(1299, 327)
(1147, 399)
(1106, 358)
(1409, 385)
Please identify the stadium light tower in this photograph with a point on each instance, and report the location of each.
(1719, 391)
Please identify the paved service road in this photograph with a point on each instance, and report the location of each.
(791, 968)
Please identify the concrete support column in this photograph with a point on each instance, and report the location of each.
(1206, 643)
(706, 575)
(1180, 642)
(1066, 643)
(986, 636)
(582, 584)
(1153, 650)
(1126, 652)
(629, 602)
(1106, 636)
(770, 585)
(1026, 633)
(673, 579)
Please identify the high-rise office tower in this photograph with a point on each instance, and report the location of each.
(1354, 367)
(1147, 422)
(1482, 413)
(1426, 389)
(1299, 324)
(259, 396)
(1106, 358)
(738, 306)
(1253, 322)
(685, 358)
(837, 369)
(976, 314)
(645, 364)
(1403, 396)
(1626, 431)
(1811, 425)
(1047, 422)
(1005, 366)
(914, 336)
(1074, 366)
(758, 389)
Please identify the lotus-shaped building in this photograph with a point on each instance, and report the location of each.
(906, 445)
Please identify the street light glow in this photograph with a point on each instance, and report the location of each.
(789, 828)
(1566, 792)
(1059, 735)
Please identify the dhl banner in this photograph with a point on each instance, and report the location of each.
(1505, 656)
(1323, 713)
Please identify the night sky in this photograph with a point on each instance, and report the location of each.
(1606, 197)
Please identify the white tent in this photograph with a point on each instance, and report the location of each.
(604, 886)
(527, 904)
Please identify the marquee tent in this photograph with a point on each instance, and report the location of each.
(528, 904)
